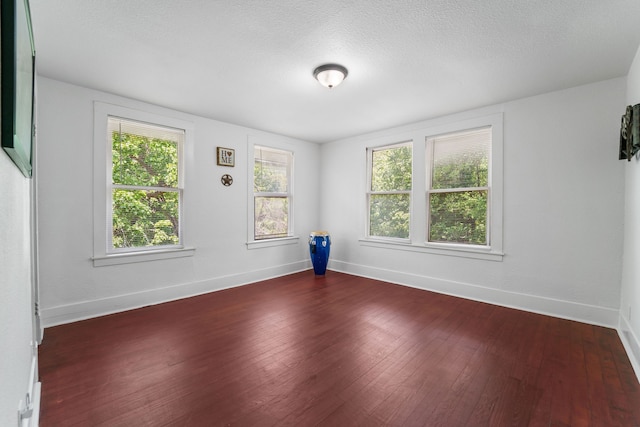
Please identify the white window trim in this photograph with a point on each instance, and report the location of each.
(102, 199)
(370, 151)
(418, 232)
(291, 239)
(474, 252)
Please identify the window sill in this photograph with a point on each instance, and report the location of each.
(266, 243)
(143, 256)
(447, 250)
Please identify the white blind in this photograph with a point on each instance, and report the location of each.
(461, 159)
(126, 126)
(271, 170)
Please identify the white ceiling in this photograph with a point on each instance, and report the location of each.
(250, 62)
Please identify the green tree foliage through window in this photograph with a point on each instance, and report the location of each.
(390, 191)
(271, 189)
(460, 187)
(145, 184)
(459, 217)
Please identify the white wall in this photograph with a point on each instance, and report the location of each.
(630, 298)
(215, 216)
(15, 290)
(563, 210)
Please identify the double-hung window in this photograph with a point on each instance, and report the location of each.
(458, 180)
(389, 191)
(146, 186)
(458, 187)
(138, 185)
(272, 193)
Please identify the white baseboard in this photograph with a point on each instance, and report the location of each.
(601, 316)
(631, 344)
(88, 309)
(596, 315)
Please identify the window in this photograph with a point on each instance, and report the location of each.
(272, 193)
(146, 187)
(389, 191)
(458, 177)
(138, 185)
(458, 188)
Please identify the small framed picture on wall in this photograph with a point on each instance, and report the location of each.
(226, 156)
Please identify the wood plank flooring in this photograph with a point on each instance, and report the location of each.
(334, 351)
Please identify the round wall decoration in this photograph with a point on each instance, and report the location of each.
(226, 180)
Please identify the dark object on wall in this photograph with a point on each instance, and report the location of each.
(226, 180)
(630, 133)
(17, 70)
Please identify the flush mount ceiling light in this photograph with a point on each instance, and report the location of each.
(330, 75)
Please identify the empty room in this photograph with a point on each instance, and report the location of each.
(355, 213)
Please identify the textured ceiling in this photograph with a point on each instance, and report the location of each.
(251, 62)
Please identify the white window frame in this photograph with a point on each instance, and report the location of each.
(103, 253)
(370, 192)
(291, 238)
(419, 243)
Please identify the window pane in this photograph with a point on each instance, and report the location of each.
(270, 170)
(391, 169)
(271, 217)
(389, 215)
(144, 161)
(461, 160)
(458, 217)
(145, 218)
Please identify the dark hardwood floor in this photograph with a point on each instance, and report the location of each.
(334, 351)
